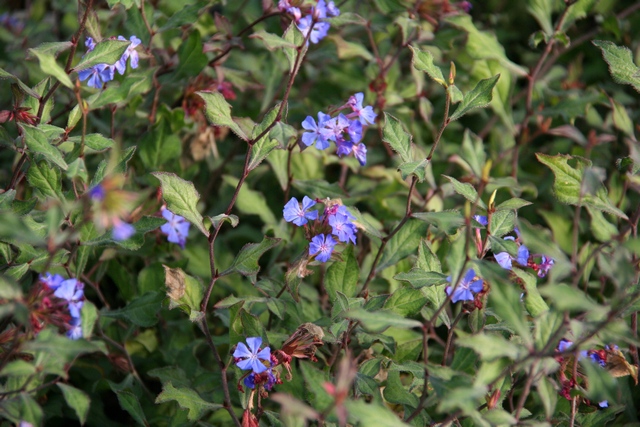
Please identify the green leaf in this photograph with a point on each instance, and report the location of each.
(266, 144)
(348, 50)
(490, 346)
(130, 403)
(293, 35)
(479, 97)
(505, 300)
(50, 67)
(568, 186)
(395, 391)
(502, 222)
(621, 65)
(182, 198)
(89, 315)
(38, 143)
(342, 276)
(192, 58)
(548, 395)
(423, 61)
(142, 311)
(417, 168)
(473, 152)
(420, 278)
(427, 260)
(47, 180)
(23, 87)
(449, 222)
(246, 262)
(314, 379)
(405, 301)
(379, 321)
(402, 244)
(467, 191)
(251, 201)
(77, 400)
(399, 140)
(217, 220)
(106, 52)
(541, 10)
(533, 301)
(372, 414)
(159, 146)
(513, 204)
(188, 14)
(218, 111)
(272, 41)
(187, 399)
(18, 368)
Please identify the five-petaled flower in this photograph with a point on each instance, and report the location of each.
(322, 245)
(292, 211)
(176, 228)
(250, 357)
(464, 291)
(72, 291)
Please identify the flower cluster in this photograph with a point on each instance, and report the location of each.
(598, 357)
(469, 284)
(176, 228)
(103, 73)
(257, 360)
(111, 204)
(344, 130)
(71, 291)
(524, 258)
(335, 222)
(314, 21)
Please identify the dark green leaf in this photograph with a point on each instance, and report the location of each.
(246, 262)
(142, 311)
(502, 222)
(218, 111)
(38, 143)
(188, 399)
(399, 140)
(419, 278)
(77, 400)
(129, 402)
(423, 61)
(342, 276)
(621, 65)
(272, 41)
(479, 97)
(402, 244)
(405, 301)
(467, 191)
(49, 66)
(192, 59)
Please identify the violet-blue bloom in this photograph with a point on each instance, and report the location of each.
(250, 381)
(322, 245)
(52, 281)
(563, 345)
(523, 256)
(332, 9)
(360, 151)
(341, 225)
(97, 75)
(252, 355)
(122, 231)
(366, 114)
(72, 291)
(545, 265)
(345, 147)
(130, 53)
(604, 404)
(355, 131)
(75, 331)
(97, 193)
(315, 134)
(318, 31)
(90, 44)
(333, 128)
(299, 216)
(482, 219)
(466, 287)
(176, 228)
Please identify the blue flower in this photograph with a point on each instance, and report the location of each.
(75, 331)
(467, 285)
(341, 225)
(333, 128)
(97, 75)
(130, 53)
(252, 355)
(604, 404)
(90, 44)
(250, 381)
(355, 131)
(122, 231)
(482, 219)
(97, 193)
(563, 345)
(345, 147)
(332, 10)
(315, 134)
(366, 115)
(71, 290)
(318, 31)
(544, 266)
(323, 246)
(52, 282)
(299, 216)
(504, 259)
(360, 151)
(176, 228)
